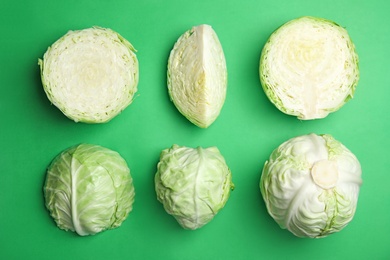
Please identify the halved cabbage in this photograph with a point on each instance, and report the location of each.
(197, 75)
(88, 189)
(309, 68)
(192, 184)
(310, 185)
(91, 75)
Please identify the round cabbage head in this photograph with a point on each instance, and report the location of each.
(197, 75)
(309, 68)
(310, 185)
(88, 189)
(192, 184)
(91, 75)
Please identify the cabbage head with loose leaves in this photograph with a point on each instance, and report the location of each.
(88, 189)
(310, 185)
(309, 67)
(192, 184)
(91, 75)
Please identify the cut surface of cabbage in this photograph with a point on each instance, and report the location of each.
(197, 75)
(91, 75)
(309, 67)
(310, 185)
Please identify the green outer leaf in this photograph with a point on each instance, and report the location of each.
(293, 199)
(192, 184)
(88, 189)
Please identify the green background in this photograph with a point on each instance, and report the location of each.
(249, 127)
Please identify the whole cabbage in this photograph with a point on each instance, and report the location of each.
(310, 185)
(192, 184)
(88, 189)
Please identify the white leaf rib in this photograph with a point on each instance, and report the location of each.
(73, 177)
(196, 184)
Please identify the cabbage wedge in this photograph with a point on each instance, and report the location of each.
(197, 75)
